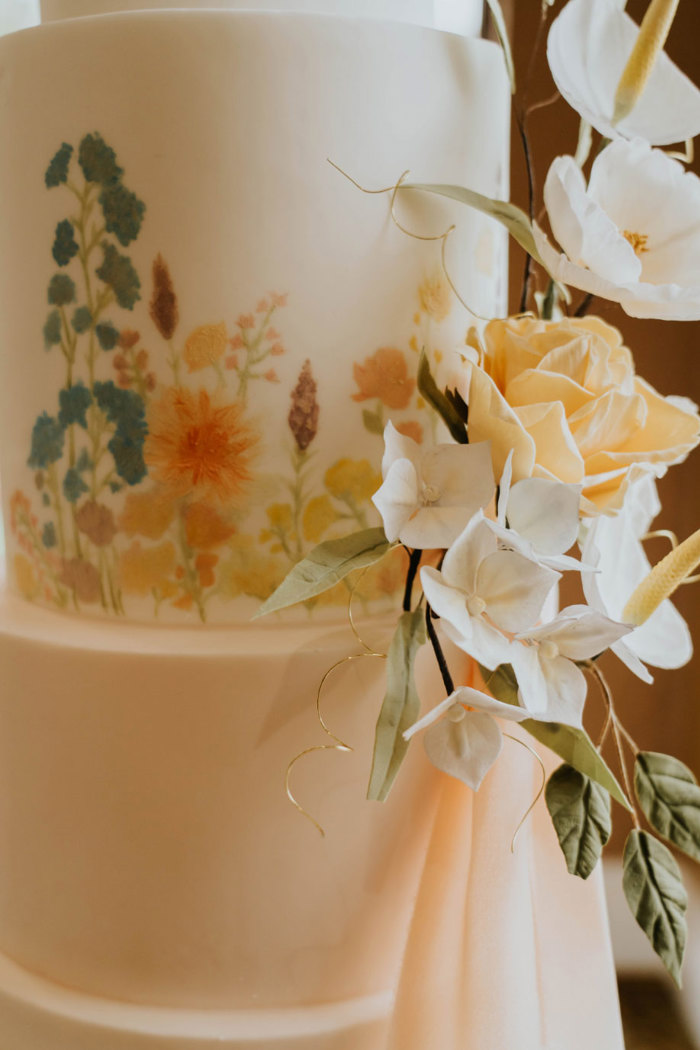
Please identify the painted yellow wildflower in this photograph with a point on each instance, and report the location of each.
(249, 571)
(143, 570)
(26, 577)
(352, 479)
(666, 577)
(319, 515)
(435, 297)
(205, 346)
(147, 514)
(280, 517)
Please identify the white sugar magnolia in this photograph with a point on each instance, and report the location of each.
(428, 496)
(632, 235)
(483, 591)
(588, 48)
(613, 546)
(465, 743)
(549, 680)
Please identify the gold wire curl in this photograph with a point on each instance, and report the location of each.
(442, 237)
(337, 744)
(539, 794)
(666, 534)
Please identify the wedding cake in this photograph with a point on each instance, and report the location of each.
(205, 324)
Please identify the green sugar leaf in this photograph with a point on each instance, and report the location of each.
(401, 705)
(657, 898)
(670, 799)
(439, 401)
(499, 23)
(580, 812)
(573, 745)
(326, 565)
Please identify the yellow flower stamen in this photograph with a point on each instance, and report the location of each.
(639, 241)
(652, 36)
(663, 580)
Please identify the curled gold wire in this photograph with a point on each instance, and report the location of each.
(442, 237)
(539, 794)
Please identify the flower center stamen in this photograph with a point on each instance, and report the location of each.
(430, 494)
(475, 605)
(639, 241)
(456, 713)
(549, 650)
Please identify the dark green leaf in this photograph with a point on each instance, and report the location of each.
(326, 565)
(573, 745)
(580, 812)
(670, 799)
(656, 896)
(401, 705)
(373, 422)
(437, 400)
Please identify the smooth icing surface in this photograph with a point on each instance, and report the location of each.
(455, 16)
(211, 323)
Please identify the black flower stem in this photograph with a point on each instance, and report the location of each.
(583, 307)
(437, 649)
(413, 563)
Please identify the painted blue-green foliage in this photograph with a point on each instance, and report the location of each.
(118, 272)
(126, 409)
(107, 335)
(52, 330)
(48, 535)
(123, 212)
(47, 442)
(61, 290)
(73, 485)
(81, 320)
(65, 246)
(98, 160)
(73, 403)
(57, 171)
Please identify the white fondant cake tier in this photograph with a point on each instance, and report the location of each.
(208, 325)
(149, 851)
(455, 16)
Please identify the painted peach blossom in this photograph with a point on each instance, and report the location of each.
(205, 346)
(143, 570)
(563, 395)
(384, 375)
(147, 514)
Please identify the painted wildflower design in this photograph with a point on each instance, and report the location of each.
(145, 466)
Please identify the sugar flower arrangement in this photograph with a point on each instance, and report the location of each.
(555, 445)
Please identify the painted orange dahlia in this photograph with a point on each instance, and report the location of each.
(198, 447)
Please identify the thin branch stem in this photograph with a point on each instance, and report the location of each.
(437, 649)
(584, 306)
(413, 563)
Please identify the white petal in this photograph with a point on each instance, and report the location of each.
(580, 632)
(631, 661)
(432, 716)
(448, 602)
(514, 589)
(397, 498)
(504, 489)
(466, 749)
(664, 640)
(461, 474)
(531, 681)
(462, 560)
(489, 705)
(566, 690)
(398, 446)
(546, 513)
(434, 527)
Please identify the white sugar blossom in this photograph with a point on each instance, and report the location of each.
(483, 591)
(632, 235)
(550, 682)
(588, 48)
(539, 518)
(613, 546)
(429, 496)
(466, 743)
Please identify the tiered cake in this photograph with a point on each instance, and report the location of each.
(204, 327)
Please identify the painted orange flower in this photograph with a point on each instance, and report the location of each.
(205, 346)
(197, 446)
(384, 375)
(204, 528)
(147, 513)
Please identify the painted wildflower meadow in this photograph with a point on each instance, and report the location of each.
(145, 467)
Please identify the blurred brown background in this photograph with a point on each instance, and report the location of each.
(666, 715)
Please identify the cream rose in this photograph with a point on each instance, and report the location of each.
(563, 395)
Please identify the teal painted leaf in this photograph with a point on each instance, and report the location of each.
(57, 171)
(326, 565)
(73, 403)
(123, 212)
(118, 272)
(48, 535)
(401, 705)
(65, 246)
(73, 485)
(580, 812)
(502, 34)
(98, 160)
(574, 746)
(657, 898)
(61, 290)
(670, 799)
(52, 330)
(107, 335)
(47, 442)
(439, 401)
(81, 320)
